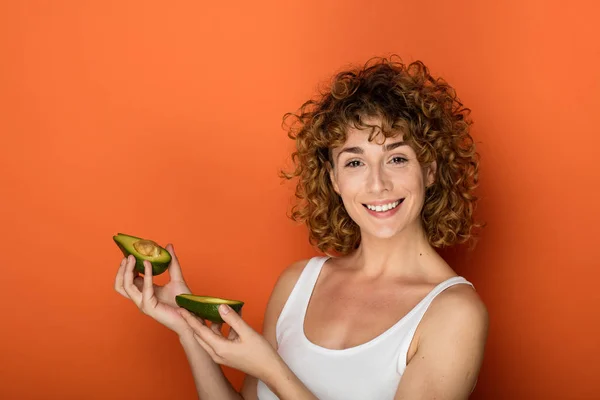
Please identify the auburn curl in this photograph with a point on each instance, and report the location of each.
(408, 100)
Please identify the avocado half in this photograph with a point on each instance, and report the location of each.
(207, 307)
(144, 249)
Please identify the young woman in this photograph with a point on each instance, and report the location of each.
(386, 170)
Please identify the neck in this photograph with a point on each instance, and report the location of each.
(407, 254)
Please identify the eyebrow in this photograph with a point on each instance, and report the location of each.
(359, 150)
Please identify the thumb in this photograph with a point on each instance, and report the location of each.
(174, 267)
(233, 319)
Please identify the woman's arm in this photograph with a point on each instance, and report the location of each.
(450, 350)
(209, 379)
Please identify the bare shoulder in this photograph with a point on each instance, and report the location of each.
(450, 348)
(457, 312)
(281, 291)
(460, 303)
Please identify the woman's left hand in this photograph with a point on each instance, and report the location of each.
(244, 349)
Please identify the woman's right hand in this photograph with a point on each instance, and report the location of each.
(153, 300)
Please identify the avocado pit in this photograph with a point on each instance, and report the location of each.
(147, 248)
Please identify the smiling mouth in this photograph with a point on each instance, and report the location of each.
(384, 207)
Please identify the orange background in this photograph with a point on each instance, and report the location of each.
(163, 120)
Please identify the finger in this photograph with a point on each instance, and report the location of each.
(193, 321)
(233, 319)
(148, 298)
(147, 275)
(174, 267)
(132, 291)
(216, 328)
(233, 335)
(204, 332)
(208, 349)
(138, 281)
(119, 278)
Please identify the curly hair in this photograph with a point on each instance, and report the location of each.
(408, 101)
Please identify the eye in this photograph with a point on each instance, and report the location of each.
(353, 164)
(399, 160)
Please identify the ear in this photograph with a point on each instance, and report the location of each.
(430, 174)
(332, 177)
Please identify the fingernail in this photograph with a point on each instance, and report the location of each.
(224, 308)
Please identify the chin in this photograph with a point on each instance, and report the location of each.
(383, 233)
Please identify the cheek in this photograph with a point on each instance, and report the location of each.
(417, 192)
(349, 187)
(345, 183)
(349, 191)
(418, 184)
(414, 181)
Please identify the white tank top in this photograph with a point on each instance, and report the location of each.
(371, 370)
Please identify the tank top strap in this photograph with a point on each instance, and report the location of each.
(445, 285)
(308, 279)
(294, 309)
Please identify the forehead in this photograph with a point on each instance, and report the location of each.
(367, 138)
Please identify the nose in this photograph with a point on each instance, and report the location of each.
(377, 180)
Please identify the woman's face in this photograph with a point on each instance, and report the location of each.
(382, 186)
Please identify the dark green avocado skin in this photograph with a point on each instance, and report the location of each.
(204, 310)
(158, 266)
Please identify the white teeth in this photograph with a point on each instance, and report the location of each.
(384, 207)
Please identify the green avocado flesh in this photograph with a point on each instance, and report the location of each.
(206, 307)
(144, 249)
